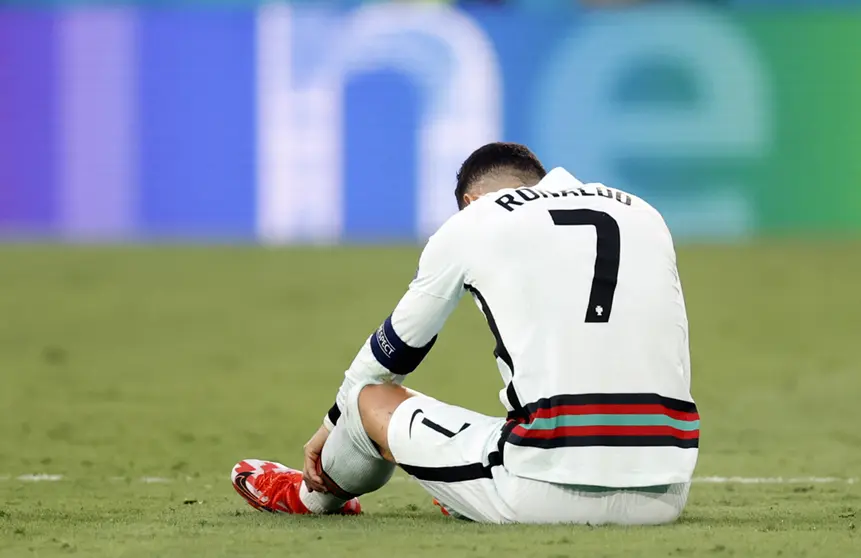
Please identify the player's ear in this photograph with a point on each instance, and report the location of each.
(468, 199)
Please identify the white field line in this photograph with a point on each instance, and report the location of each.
(39, 478)
(697, 480)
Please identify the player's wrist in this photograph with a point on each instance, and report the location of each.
(331, 418)
(328, 424)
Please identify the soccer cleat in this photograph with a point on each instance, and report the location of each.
(444, 511)
(449, 512)
(273, 487)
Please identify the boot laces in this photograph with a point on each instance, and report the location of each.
(277, 487)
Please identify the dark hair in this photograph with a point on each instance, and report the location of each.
(494, 157)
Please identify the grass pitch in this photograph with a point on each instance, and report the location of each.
(140, 375)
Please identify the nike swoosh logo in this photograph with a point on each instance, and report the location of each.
(412, 419)
(240, 483)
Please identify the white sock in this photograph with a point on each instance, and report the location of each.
(351, 461)
(319, 502)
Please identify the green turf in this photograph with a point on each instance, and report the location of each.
(123, 363)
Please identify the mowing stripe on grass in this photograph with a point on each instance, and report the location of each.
(774, 480)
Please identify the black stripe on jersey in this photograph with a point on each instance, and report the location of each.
(503, 437)
(499, 351)
(511, 394)
(607, 441)
(613, 399)
(457, 473)
(334, 414)
(395, 355)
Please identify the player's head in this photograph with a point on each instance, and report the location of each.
(495, 166)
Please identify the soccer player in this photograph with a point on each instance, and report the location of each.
(579, 286)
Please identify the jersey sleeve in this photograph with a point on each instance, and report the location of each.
(400, 344)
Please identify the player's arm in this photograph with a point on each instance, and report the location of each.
(403, 340)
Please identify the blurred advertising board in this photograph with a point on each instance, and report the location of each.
(295, 124)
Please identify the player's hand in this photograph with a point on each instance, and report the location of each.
(313, 451)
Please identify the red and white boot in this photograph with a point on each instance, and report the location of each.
(273, 487)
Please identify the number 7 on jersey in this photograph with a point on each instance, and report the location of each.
(606, 258)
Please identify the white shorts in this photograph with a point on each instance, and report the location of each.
(452, 452)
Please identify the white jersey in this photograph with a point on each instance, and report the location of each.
(579, 286)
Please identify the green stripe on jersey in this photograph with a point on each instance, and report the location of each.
(611, 420)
